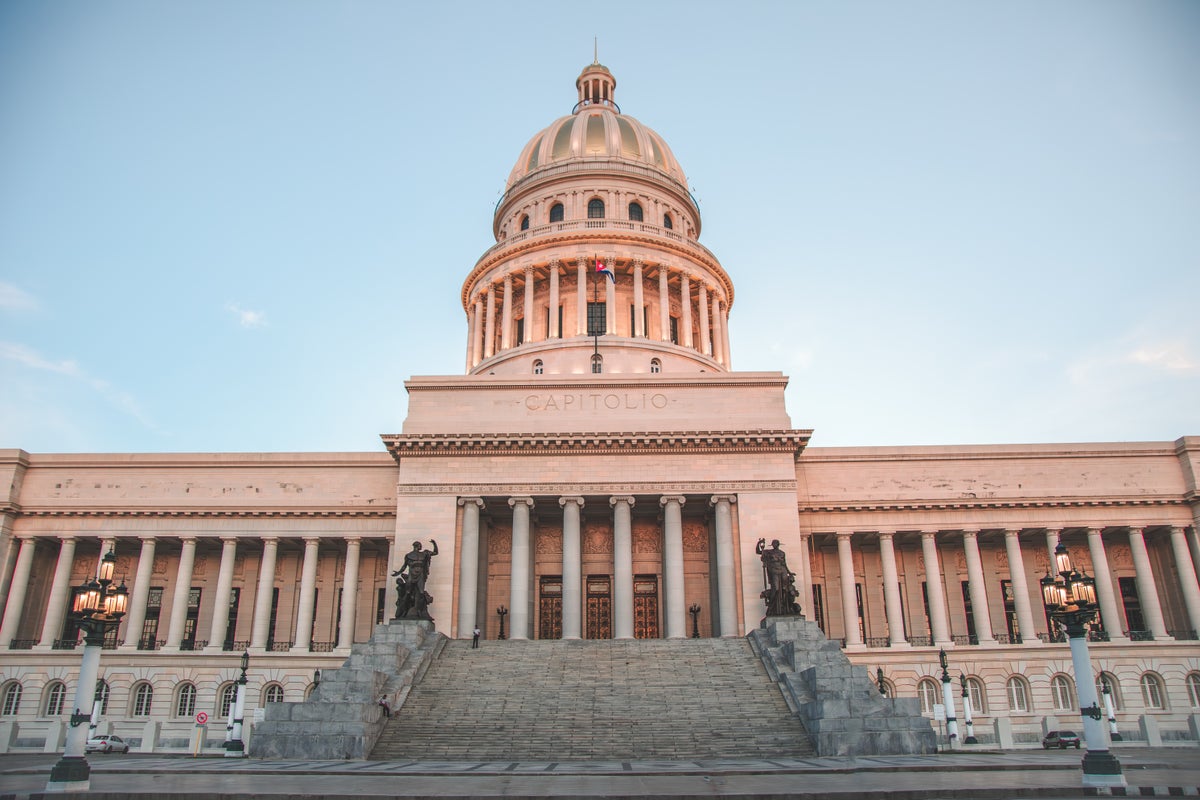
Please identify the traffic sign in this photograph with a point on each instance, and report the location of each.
(201, 718)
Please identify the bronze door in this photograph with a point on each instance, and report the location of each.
(599, 607)
(550, 607)
(645, 607)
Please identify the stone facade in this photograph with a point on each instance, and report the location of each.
(600, 482)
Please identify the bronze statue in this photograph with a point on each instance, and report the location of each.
(412, 601)
(781, 593)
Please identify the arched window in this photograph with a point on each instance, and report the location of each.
(655, 366)
(185, 701)
(228, 696)
(595, 208)
(525, 222)
(12, 700)
(273, 694)
(1062, 689)
(977, 695)
(101, 694)
(1018, 694)
(56, 694)
(143, 698)
(1153, 693)
(556, 212)
(889, 688)
(667, 222)
(597, 364)
(929, 694)
(1105, 679)
(635, 212)
(1193, 687)
(538, 366)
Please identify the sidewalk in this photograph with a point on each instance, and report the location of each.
(1150, 772)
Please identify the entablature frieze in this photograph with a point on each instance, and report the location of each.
(988, 504)
(597, 488)
(758, 441)
(97, 511)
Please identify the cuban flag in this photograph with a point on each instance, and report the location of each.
(601, 268)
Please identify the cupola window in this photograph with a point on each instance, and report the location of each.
(538, 367)
(667, 222)
(655, 366)
(525, 222)
(595, 208)
(635, 212)
(556, 212)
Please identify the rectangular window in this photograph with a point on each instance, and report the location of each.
(337, 618)
(1132, 603)
(148, 640)
(966, 593)
(560, 322)
(192, 620)
(674, 330)
(274, 615)
(632, 319)
(380, 603)
(818, 607)
(597, 319)
(925, 601)
(1010, 611)
(521, 331)
(862, 622)
(235, 596)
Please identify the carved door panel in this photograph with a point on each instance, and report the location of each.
(550, 607)
(645, 607)
(599, 607)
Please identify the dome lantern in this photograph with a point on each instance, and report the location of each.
(596, 87)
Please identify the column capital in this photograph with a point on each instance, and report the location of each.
(717, 498)
(229, 539)
(68, 537)
(886, 535)
(969, 534)
(269, 539)
(553, 264)
(188, 539)
(672, 498)
(475, 501)
(513, 502)
(622, 498)
(148, 537)
(563, 501)
(929, 535)
(1012, 533)
(843, 534)
(313, 540)
(349, 540)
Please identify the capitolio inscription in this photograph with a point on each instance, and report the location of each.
(596, 401)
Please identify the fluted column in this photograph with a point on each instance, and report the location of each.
(675, 616)
(664, 303)
(472, 333)
(1110, 610)
(639, 300)
(262, 597)
(849, 594)
(554, 301)
(139, 595)
(572, 568)
(718, 353)
(622, 566)
(220, 618)
(891, 591)
(977, 588)
(468, 567)
(702, 305)
(581, 297)
(725, 337)
(1051, 544)
(530, 330)
(518, 603)
(804, 573)
(348, 619)
(506, 315)
(939, 623)
(1187, 576)
(18, 589)
(1147, 591)
(302, 641)
(489, 327)
(1020, 587)
(1194, 538)
(60, 591)
(685, 309)
(726, 583)
(183, 588)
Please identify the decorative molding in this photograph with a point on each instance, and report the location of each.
(560, 489)
(100, 511)
(967, 505)
(749, 441)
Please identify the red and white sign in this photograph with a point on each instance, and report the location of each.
(201, 718)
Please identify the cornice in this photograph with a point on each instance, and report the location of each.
(755, 441)
(177, 511)
(595, 488)
(574, 383)
(830, 455)
(991, 504)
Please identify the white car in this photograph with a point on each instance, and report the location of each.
(107, 744)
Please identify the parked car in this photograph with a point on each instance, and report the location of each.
(1060, 739)
(106, 743)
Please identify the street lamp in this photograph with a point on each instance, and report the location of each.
(97, 610)
(501, 612)
(879, 681)
(966, 696)
(948, 699)
(694, 610)
(235, 747)
(1071, 602)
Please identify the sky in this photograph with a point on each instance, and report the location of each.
(241, 226)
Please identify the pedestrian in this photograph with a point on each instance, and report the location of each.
(386, 706)
(475, 638)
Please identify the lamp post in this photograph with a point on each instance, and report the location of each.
(97, 609)
(879, 681)
(948, 699)
(694, 610)
(1071, 602)
(966, 696)
(235, 747)
(1113, 733)
(501, 612)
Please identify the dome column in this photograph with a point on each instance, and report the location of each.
(552, 311)
(685, 306)
(506, 318)
(581, 296)
(725, 336)
(664, 304)
(528, 323)
(477, 332)
(472, 333)
(639, 301)
(702, 301)
(489, 331)
(717, 342)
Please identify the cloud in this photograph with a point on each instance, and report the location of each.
(248, 318)
(16, 299)
(1171, 357)
(30, 358)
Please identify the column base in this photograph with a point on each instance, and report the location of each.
(70, 774)
(1101, 768)
(901, 645)
(235, 748)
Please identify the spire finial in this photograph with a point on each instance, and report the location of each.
(595, 49)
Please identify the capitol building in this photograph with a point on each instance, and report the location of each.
(597, 468)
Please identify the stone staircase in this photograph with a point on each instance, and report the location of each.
(594, 700)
